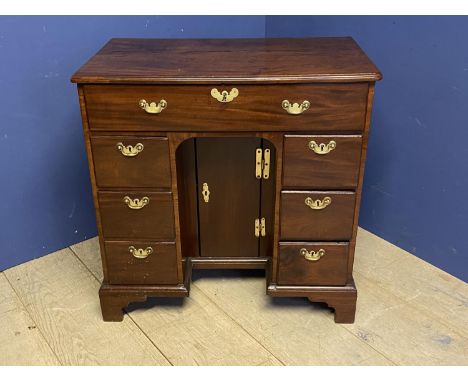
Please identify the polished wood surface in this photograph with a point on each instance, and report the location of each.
(228, 60)
(333, 74)
(153, 221)
(339, 169)
(300, 222)
(333, 107)
(330, 269)
(227, 165)
(160, 267)
(149, 168)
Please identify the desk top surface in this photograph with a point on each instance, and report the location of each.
(198, 61)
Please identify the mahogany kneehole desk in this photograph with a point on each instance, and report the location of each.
(239, 153)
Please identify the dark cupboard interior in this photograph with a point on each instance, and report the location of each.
(226, 196)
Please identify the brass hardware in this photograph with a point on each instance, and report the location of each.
(266, 164)
(262, 164)
(153, 107)
(136, 204)
(258, 163)
(140, 253)
(312, 255)
(224, 96)
(129, 150)
(257, 227)
(295, 108)
(322, 148)
(206, 193)
(318, 204)
(262, 227)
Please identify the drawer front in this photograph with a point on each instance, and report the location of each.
(330, 218)
(151, 220)
(333, 107)
(131, 162)
(141, 262)
(321, 162)
(312, 263)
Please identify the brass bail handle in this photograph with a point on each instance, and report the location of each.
(322, 148)
(312, 255)
(153, 107)
(295, 108)
(318, 204)
(224, 96)
(140, 253)
(136, 204)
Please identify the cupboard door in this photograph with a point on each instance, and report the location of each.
(226, 166)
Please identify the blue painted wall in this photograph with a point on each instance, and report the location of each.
(416, 181)
(46, 201)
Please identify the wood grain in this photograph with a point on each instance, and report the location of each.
(21, 342)
(233, 60)
(61, 297)
(155, 221)
(334, 107)
(227, 166)
(304, 169)
(300, 222)
(159, 268)
(150, 168)
(427, 288)
(295, 331)
(409, 313)
(331, 269)
(192, 332)
(400, 331)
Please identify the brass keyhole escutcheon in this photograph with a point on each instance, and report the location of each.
(206, 192)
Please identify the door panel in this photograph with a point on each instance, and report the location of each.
(227, 166)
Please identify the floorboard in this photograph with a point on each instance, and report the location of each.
(21, 342)
(60, 295)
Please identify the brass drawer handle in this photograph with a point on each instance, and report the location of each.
(312, 255)
(224, 96)
(318, 204)
(295, 108)
(136, 204)
(129, 150)
(140, 253)
(322, 148)
(153, 107)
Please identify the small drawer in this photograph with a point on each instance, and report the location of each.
(131, 161)
(139, 215)
(301, 107)
(321, 161)
(313, 263)
(141, 262)
(315, 215)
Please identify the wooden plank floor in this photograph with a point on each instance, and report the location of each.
(409, 313)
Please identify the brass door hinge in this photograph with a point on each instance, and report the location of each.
(262, 163)
(260, 227)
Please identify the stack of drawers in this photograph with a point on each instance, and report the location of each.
(136, 209)
(320, 176)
